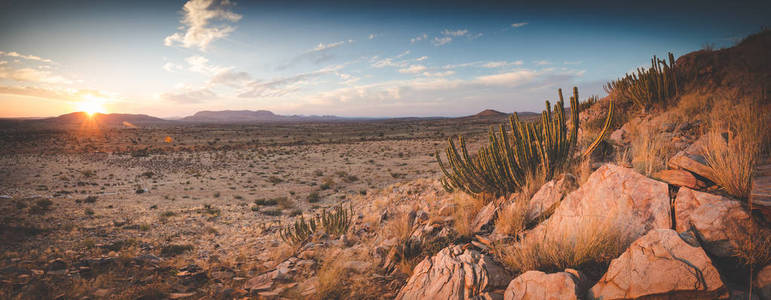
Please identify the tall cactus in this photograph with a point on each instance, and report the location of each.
(503, 166)
(647, 87)
(299, 232)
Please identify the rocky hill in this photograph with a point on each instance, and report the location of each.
(251, 116)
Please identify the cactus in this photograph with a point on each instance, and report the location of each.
(503, 166)
(298, 233)
(337, 221)
(647, 87)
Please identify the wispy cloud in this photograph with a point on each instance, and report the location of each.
(419, 38)
(33, 75)
(520, 24)
(322, 46)
(282, 86)
(542, 62)
(187, 94)
(500, 64)
(199, 24)
(372, 36)
(459, 32)
(412, 69)
(440, 41)
(59, 94)
(439, 74)
(29, 57)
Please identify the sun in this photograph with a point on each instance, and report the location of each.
(90, 107)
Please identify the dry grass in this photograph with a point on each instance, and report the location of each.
(466, 208)
(512, 217)
(596, 241)
(755, 249)
(649, 150)
(736, 140)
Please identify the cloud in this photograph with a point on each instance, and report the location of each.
(439, 41)
(499, 64)
(518, 90)
(578, 62)
(509, 79)
(412, 69)
(33, 75)
(419, 38)
(459, 32)
(372, 36)
(200, 64)
(230, 78)
(70, 95)
(199, 26)
(520, 24)
(29, 57)
(422, 58)
(542, 62)
(322, 46)
(172, 67)
(188, 95)
(439, 74)
(283, 86)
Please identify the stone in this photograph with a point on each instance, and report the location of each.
(719, 222)
(102, 293)
(454, 273)
(615, 196)
(549, 195)
(762, 282)
(535, 285)
(680, 178)
(660, 265)
(180, 295)
(618, 137)
(484, 219)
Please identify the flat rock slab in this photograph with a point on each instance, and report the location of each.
(720, 222)
(661, 265)
(680, 178)
(537, 285)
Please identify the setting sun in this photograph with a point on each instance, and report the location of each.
(90, 107)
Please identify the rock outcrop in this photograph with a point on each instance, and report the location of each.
(719, 222)
(455, 273)
(550, 194)
(537, 285)
(762, 282)
(616, 195)
(663, 265)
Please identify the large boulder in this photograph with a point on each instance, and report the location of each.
(614, 196)
(719, 222)
(537, 285)
(549, 196)
(661, 265)
(454, 273)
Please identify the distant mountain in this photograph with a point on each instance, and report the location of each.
(250, 116)
(489, 113)
(83, 120)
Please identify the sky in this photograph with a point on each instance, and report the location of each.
(346, 58)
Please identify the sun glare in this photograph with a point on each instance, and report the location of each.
(90, 107)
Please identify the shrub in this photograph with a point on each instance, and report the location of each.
(337, 221)
(174, 250)
(298, 233)
(647, 87)
(314, 197)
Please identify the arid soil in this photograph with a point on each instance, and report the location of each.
(207, 194)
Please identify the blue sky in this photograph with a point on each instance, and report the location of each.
(347, 58)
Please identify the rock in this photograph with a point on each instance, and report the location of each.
(762, 282)
(454, 274)
(57, 265)
(660, 264)
(537, 285)
(612, 194)
(549, 195)
(618, 136)
(262, 282)
(180, 295)
(102, 293)
(719, 222)
(484, 219)
(680, 178)
(693, 163)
